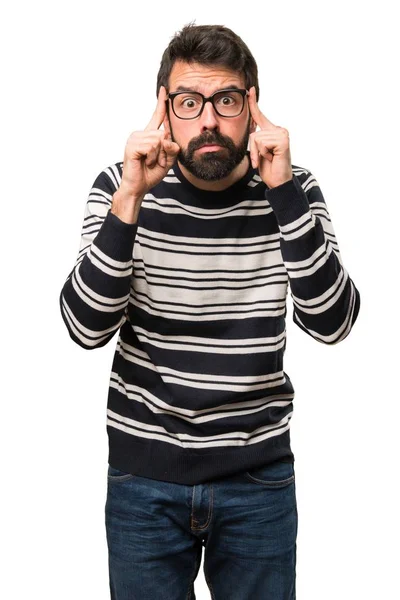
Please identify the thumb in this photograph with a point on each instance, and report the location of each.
(170, 147)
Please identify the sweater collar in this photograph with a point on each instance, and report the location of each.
(211, 198)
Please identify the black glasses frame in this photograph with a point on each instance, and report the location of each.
(243, 92)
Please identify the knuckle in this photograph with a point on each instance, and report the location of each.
(133, 136)
(153, 148)
(154, 136)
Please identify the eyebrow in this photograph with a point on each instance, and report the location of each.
(182, 88)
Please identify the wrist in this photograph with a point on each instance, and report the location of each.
(126, 205)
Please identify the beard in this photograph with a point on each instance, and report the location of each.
(211, 166)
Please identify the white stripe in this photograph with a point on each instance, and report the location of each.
(142, 395)
(150, 198)
(134, 355)
(204, 381)
(212, 345)
(172, 206)
(79, 330)
(212, 298)
(113, 174)
(99, 194)
(213, 277)
(83, 250)
(299, 170)
(342, 331)
(302, 231)
(237, 443)
(89, 296)
(318, 206)
(109, 271)
(216, 380)
(314, 268)
(198, 248)
(295, 224)
(204, 263)
(280, 428)
(233, 213)
(117, 176)
(156, 236)
(276, 310)
(304, 305)
(307, 261)
(92, 228)
(310, 185)
(321, 215)
(311, 179)
(119, 264)
(210, 295)
(350, 312)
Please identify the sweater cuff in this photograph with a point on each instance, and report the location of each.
(288, 201)
(116, 238)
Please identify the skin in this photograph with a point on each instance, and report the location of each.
(269, 148)
(219, 169)
(149, 154)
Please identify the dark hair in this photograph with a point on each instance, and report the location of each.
(209, 45)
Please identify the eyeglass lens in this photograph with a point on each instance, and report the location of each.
(188, 104)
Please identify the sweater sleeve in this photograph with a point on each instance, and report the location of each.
(95, 296)
(325, 300)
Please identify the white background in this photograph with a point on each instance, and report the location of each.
(78, 78)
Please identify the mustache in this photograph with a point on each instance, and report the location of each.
(202, 140)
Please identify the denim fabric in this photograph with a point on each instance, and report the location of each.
(246, 523)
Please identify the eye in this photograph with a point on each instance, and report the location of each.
(188, 102)
(227, 100)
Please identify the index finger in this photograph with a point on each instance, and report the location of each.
(160, 111)
(260, 119)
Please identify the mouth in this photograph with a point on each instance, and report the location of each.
(210, 148)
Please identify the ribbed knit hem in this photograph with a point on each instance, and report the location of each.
(288, 201)
(149, 458)
(116, 238)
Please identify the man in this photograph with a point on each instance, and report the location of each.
(188, 249)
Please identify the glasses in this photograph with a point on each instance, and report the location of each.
(190, 105)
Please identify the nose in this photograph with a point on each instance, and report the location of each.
(208, 118)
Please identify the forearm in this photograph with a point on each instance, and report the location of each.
(325, 299)
(126, 206)
(94, 297)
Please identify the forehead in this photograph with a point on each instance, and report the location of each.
(203, 78)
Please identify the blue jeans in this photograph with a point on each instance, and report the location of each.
(247, 524)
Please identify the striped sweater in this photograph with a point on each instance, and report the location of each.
(197, 291)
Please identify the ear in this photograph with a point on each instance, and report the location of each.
(166, 125)
(253, 125)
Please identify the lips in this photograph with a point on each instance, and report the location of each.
(210, 147)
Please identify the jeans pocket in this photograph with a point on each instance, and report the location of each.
(274, 475)
(117, 475)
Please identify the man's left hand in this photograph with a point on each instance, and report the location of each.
(269, 147)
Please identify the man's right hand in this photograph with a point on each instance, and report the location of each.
(148, 156)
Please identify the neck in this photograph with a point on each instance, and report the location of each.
(222, 184)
